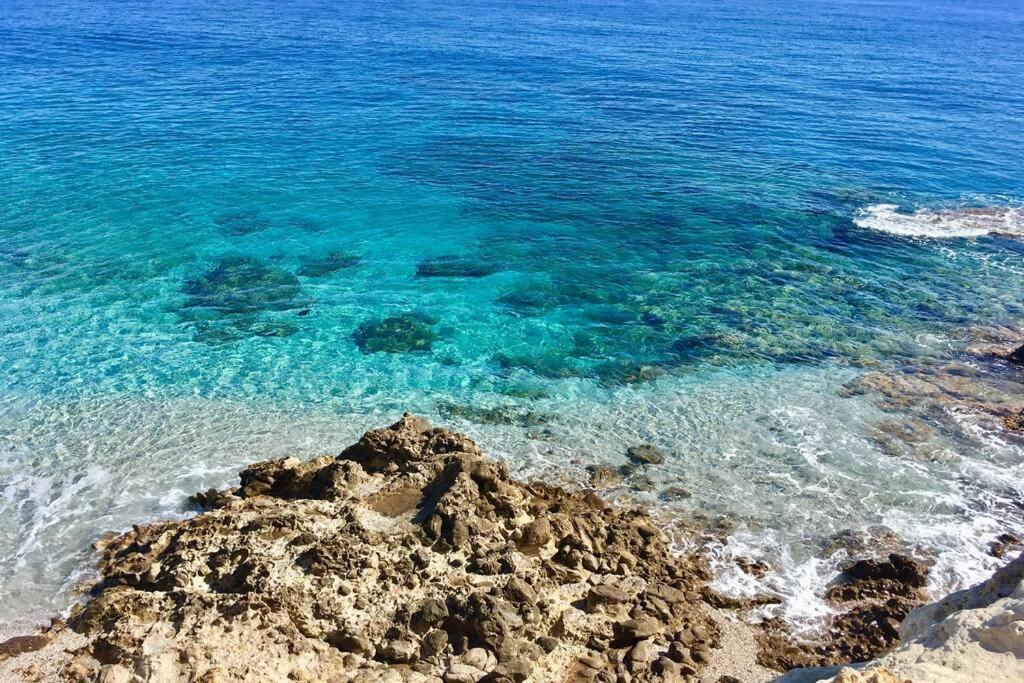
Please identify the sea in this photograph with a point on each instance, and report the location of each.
(238, 230)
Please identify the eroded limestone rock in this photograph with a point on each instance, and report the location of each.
(408, 555)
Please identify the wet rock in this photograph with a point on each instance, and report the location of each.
(455, 266)
(898, 568)
(604, 476)
(645, 454)
(526, 303)
(1017, 355)
(754, 568)
(406, 333)
(1014, 421)
(627, 372)
(1004, 543)
(675, 493)
(875, 596)
(326, 265)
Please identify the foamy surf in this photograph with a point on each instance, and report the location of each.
(941, 224)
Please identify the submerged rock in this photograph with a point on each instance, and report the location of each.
(326, 265)
(455, 266)
(406, 333)
(409, 552)
(527, 303)
(646, 454)
(627, 372)
(497, 415)
(240, 223)
(242, 284)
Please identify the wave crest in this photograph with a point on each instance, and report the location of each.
(947, 223)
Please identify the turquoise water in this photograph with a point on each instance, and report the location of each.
(234, 230)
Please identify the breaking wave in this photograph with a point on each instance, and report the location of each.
(1003, 221)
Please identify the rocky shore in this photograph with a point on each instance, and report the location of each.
(412, 557)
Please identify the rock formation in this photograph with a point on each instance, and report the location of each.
(972, 635)
(407, 557)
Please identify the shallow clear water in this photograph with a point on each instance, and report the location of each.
(673, 224)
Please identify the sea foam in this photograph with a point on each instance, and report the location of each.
(1004, 221)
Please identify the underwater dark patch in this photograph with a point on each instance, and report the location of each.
(240, 223)
(244, 285)
(455, 266)
(406, 333)
(321, 266)
(496, 415)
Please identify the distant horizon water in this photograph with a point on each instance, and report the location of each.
(232, 231)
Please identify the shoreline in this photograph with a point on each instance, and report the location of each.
(411, 467)
(487, 547)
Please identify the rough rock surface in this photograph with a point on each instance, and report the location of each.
(407, 557)
(875, 596)
(972, 635)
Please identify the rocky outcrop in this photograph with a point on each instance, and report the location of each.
(972, 635)
(408, 557)
(874, 596)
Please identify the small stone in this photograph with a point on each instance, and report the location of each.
(666, 667)
(350, 642)
(638, 656)
(520, 591)
(434, 643)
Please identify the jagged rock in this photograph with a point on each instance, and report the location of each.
(407, 552)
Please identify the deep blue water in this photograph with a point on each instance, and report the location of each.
(236, 229)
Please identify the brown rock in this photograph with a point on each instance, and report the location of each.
(22, 644)
(633, 630)
(645, 454)
(537, 532)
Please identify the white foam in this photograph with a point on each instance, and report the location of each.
(941, 224)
